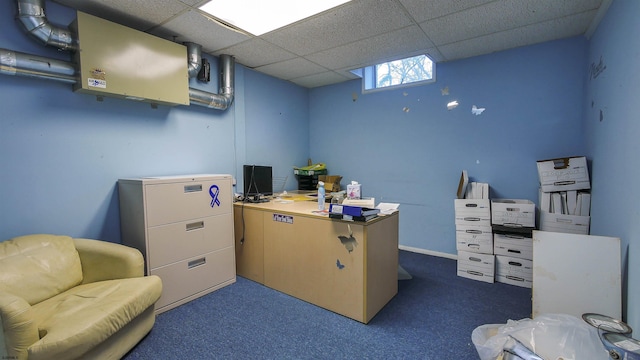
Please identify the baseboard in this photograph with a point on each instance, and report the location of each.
(428, 252)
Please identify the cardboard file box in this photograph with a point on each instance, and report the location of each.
(516, 245)
(472, 238)
(562, 174)
(561, 223)
(513, 212)
(476, 266)
(473, 212)
(331, 182)
(514, 271)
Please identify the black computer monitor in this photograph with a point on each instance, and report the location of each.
(258, 180)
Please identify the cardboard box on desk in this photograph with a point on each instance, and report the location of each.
(331, 182)
(513, 212)
(476, 266)
(561, 174)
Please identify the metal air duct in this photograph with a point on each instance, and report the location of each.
(194, 56)
(224, 99)
(16, 63)
(31, 15)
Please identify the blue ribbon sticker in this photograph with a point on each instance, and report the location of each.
(214, 195)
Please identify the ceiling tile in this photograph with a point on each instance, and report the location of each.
(195, 27)
(293, 68)
(357, 20)
(194, 3)
(528, 35)
(374, 50)
(422, 10)
(139, 15)
(256, 52)
(322, 79)
(492, 18)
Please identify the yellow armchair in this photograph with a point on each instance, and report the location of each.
(64, 298)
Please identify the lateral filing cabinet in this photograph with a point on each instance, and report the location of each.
(183, 225)
(474, 239)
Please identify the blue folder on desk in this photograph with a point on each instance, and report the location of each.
(352, 210)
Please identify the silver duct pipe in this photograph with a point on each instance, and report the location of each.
(31, 15)
(224, 99)
(194, 56)
(227, 76)
(15, 63)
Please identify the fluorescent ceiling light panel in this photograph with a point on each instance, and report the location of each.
(261, 16)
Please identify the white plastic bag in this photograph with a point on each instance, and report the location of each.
(551, 336)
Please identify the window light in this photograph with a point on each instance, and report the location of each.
(409, 71)
(259, 16)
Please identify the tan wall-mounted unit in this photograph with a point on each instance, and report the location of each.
(114, 60)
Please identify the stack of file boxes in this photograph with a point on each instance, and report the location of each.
(565, 197)
(512, 223)
(474, 238)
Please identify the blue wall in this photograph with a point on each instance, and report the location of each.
(613, 138)
(277, 125)
(61, 153)
(405, 147)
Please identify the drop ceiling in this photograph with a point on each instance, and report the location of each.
(323, 49)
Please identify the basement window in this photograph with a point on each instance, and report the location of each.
(411, 71)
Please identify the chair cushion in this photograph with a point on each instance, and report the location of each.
(74, 322)
(37, 267)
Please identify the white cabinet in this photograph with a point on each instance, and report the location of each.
(183, 225)
(576, 274)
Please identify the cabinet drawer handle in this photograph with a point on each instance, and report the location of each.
(192, 188)
(197, 262)
(510, 236)
(195, 226)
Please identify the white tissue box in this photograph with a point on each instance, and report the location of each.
(353, 191)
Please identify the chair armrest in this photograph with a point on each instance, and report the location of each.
(102, 260)
(19, 328)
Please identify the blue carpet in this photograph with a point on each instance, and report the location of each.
(431, 317)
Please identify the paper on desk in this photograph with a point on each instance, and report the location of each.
(387, 208)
